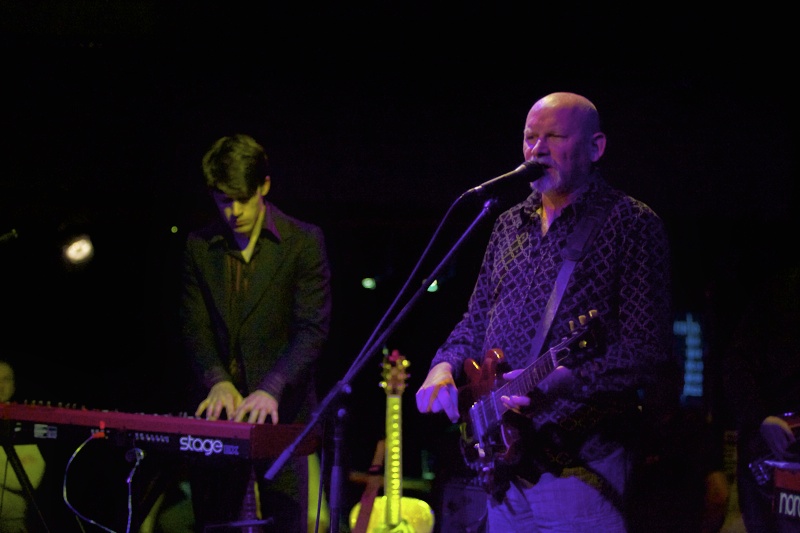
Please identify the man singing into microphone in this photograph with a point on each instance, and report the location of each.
(566, 463)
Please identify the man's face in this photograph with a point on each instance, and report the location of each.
(555, 138)
(241, 214)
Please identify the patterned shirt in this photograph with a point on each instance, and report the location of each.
(625, 276)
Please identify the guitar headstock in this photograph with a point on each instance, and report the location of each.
(582, 336)
(582, 329)
(394, 373)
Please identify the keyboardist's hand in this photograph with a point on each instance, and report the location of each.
(257, 407)
(222, 398)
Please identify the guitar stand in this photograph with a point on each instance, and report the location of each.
(22, 476)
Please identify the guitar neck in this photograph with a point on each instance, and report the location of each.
(525, 382)
(393, 477)
(532, 375)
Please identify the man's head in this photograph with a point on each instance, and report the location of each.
(7, 381)
(236, 164)
(562, 132)
(237, 175)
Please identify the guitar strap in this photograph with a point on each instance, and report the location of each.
(576, 247)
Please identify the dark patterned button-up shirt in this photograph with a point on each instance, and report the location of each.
(625, 276)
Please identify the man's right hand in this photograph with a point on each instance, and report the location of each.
(223, 397)
(439, 393)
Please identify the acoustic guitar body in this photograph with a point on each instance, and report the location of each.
(418, 516)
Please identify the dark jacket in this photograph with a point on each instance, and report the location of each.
(283, 320)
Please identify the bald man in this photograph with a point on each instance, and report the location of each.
(558, 455)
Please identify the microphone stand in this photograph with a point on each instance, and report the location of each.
(343, 386)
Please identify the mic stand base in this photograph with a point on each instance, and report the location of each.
(337, 472)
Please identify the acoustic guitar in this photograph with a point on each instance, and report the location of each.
(393, 512)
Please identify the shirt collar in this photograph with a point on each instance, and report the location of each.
(269, 222)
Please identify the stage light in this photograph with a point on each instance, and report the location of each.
(78, 250)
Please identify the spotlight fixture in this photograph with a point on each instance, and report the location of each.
(78, 250)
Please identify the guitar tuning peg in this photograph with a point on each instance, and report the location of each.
(593, 313)
(572, 325)
(583, 320)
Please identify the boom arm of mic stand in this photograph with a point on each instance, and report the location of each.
(343, 386)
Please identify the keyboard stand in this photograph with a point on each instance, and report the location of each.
(248, 521)
(16, 464)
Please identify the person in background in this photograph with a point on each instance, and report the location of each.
(680, 484)
(15, 516)
(762, 386)
(571, 447)
(254, 318)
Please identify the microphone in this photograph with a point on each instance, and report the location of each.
(529, 171)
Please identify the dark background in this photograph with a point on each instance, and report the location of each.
(376, 118)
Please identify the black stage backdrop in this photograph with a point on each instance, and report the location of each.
(376, 119)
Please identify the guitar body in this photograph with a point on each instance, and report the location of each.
(494, 440)
(491, 454)
(481, 381)
(417, 516)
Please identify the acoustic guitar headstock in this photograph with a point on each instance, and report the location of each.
(394, 373)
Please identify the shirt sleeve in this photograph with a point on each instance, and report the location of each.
(311, 315)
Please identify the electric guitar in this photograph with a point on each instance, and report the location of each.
(393, 512)
(487, 438)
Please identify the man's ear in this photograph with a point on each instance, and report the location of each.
(598, 146)
(264, 189)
